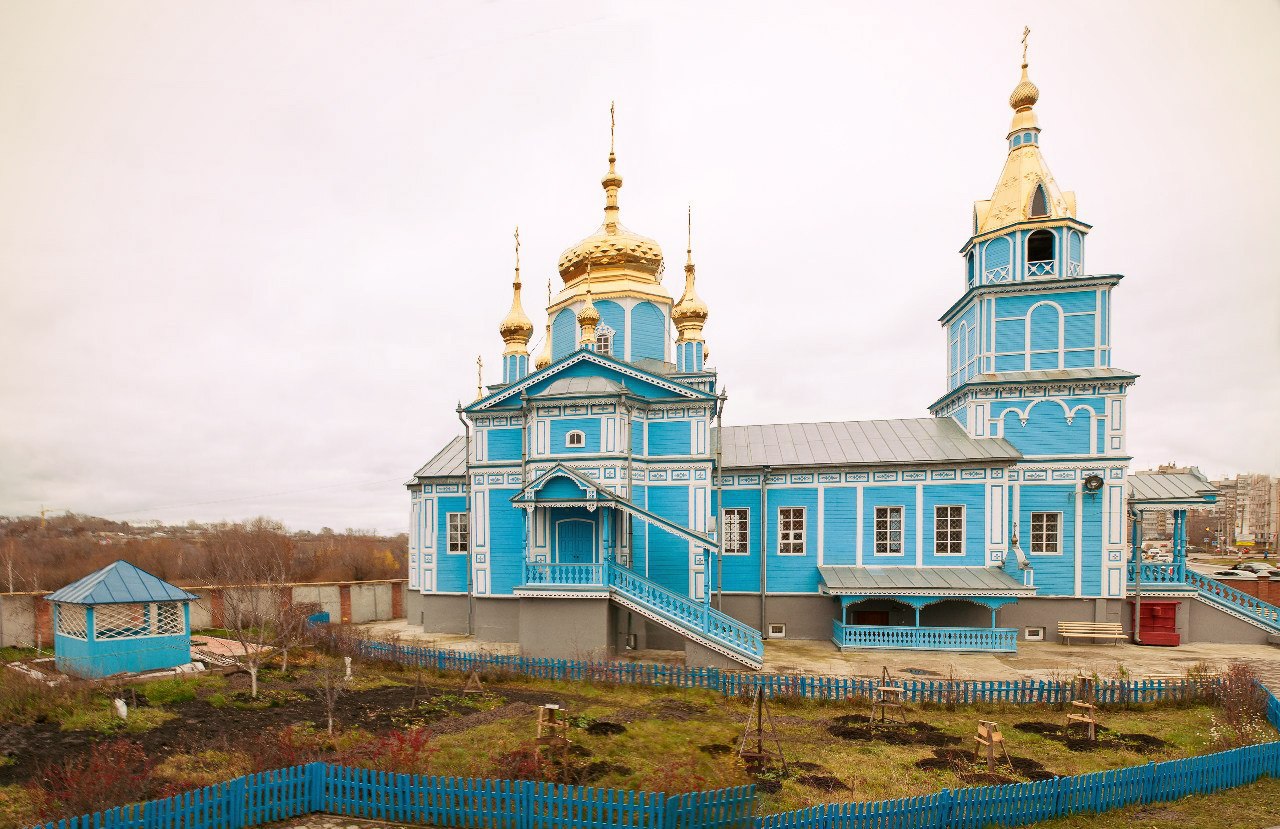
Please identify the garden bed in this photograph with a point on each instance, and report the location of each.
(199, 730)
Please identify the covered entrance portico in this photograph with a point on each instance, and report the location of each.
(922, 608)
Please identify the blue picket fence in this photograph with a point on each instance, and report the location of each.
(266, 797)
(740, 683)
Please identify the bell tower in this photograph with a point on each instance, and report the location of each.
(1029, 342)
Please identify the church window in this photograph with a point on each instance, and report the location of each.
(1039, 203)
(888, 531)
(575, 439)
(948, 530)
(791, 531)
(1040, 254)
(1046, 533)
(604, 340)
(737, 530)
(459, 532)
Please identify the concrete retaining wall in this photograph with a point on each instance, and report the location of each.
(24, 615)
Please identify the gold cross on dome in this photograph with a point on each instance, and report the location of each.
(1026, 31)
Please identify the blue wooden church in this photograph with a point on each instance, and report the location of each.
(120, 619)
(595, 502)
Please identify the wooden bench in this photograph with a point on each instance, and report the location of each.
(1091, 630)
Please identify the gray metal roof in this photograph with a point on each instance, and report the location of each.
(1170, 486)
(924, 581)
(582, 385)
(119, 583)
(859, 442)
(1052, 375)
(448, 462)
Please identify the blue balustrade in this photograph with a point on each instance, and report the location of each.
(683, 612)
(686, 612)
(1159, 573)
(925, 638)
(564, 575)
(1233, 600)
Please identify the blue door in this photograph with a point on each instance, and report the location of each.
(575, 541)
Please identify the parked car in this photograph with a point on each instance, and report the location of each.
(1235, 574)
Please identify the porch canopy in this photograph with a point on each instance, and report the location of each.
(577, 490)
(918, 587)
(931, 584)
(1174, 492)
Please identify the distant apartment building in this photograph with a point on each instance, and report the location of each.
(1247, 514)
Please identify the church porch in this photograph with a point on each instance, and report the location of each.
(922, 608)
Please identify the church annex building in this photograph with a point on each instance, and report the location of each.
(595, 502)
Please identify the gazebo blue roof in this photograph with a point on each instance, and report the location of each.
(119, 583)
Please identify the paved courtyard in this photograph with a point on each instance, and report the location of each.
(1034, 660)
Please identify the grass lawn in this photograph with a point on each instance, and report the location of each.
(1248, 807)
(200, 729)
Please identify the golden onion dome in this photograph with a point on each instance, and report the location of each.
(588, 315)
(516, 328)
(612, 245)
(544, 358)
(690, 308)
(690, 312)
(1025, 94)
(516, 325)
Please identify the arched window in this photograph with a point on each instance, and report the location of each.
(575, 439)
(1040, 253)
(969, 268)
(1039, 203)
(604, 340)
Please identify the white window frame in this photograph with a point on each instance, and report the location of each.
(457, 533)
(1044, 536)
(790, 536)
(605, 335)
(581, 439)
(882, 516)
(937, 519)
(742, 534)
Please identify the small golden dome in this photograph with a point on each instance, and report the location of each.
(690, 311)
(516, 327)
(1025, 94)
(544, 358)
(588, 315)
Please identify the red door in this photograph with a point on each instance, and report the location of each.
(880, 618)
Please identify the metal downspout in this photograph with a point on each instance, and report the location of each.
(1136, 534)
(525, 443)
(466, 491)
(719, 489)
(764, 548)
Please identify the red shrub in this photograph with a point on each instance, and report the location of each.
(401, 752)
(110, 774)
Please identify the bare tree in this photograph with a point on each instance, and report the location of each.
(329, 683)
(292, 628)
(252, 561)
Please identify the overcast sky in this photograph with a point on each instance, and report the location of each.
(250, 251)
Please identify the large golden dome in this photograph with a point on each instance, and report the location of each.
(612, 245)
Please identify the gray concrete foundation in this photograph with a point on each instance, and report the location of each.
(437, 614)
(497, 619)
(697, 656)
(564, 628)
